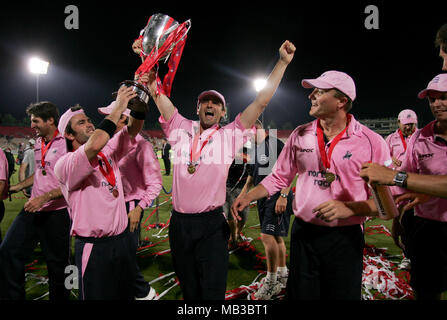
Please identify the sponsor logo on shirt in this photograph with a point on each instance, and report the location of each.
(305, 150)
(425, 156)
(39, 164)
(348, 155)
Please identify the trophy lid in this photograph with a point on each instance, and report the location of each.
(157, 31)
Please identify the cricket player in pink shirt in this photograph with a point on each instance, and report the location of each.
(326, 246)
(398, 140)
(407, 121)
(4, 178)
(203, 152)
(90, 181)
(141, 178)
(44, 217)
(426, 158)
(433, 185)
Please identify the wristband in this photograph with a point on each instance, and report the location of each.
(138, 115)
(284, 195)
(108, 126)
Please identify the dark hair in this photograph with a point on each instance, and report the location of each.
(441, 38)
(340, 95)
(69, 129)
(44, 110)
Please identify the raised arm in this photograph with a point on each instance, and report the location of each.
(100, 137)
(254, 110)
(162, 102)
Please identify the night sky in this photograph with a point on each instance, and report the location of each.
(229, 44)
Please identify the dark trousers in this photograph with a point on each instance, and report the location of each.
(52, 230)
(407, 225)
(167, 163)
(199, 250)
(142, 287)
(429, 257)
(326, 263)
(110, 270)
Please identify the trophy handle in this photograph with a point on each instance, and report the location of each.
(141, 102)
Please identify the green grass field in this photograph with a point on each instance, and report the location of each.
(244, 265)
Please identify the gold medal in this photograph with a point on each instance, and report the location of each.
(191, 169)
(44, 173)
(329, 176)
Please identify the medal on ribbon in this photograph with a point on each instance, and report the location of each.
(191, 168)
(194, 155)
(329, 176)
(44, 150)
(402, 138)
(326, 157)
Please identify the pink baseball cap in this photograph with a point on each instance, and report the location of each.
(330, 80)
(439, 84)
(107, 110)
(65, 118)
(213, 93)
(407, 116)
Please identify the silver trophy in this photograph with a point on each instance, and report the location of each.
(158, 29)
(153, 37)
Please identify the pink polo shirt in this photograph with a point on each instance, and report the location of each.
(45, 183)
(205, 189)
(4, 174)
(140, 173)
(427, 154)
(94, 211)
(396, 146)
(301, 156)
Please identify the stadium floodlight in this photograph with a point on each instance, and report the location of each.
(38, 67)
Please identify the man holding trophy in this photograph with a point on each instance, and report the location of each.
(204, 151)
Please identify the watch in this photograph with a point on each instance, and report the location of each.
(400, 179)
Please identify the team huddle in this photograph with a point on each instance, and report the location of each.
(93, 184)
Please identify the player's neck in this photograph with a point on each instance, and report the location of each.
(441, 128)
(333, 125)
(204, 127)
(47, 138)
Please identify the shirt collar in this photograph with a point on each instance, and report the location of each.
(354, 128)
